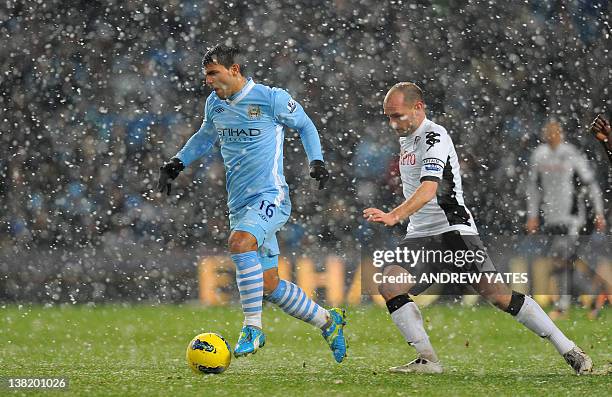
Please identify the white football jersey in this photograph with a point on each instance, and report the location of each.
(429, 154)
(556, 178)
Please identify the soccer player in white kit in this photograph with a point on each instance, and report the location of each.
(439, 220)
(558, 172)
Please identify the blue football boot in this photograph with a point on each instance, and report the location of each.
(334, 334)
(250, 340)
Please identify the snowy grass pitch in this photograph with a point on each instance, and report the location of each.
(140, 351)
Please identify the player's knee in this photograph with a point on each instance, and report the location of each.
(271, 281)
(500, 301)
(240, 242)
(389, 290)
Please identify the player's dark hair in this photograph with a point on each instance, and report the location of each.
(224, 55)
(411, 91)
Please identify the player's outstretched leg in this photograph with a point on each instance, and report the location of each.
(407, 317)
(294, 301)
(562, 305)
(249, 277)
(530, 314)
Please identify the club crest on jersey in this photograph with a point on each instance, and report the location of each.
(291, 106)
(416, 142)
(254, 112)
(431, 139)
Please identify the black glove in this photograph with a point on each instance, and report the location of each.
(167, 173)
(318, 172)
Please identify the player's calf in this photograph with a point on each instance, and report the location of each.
(294, 301)
(530, 314)
(271, 280)
(407, 317)
(249, 275)
(249, 278)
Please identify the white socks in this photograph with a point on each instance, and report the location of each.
(533, 317)
(408, 320)
(407, 317)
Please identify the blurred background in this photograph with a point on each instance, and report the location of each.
(96, 95)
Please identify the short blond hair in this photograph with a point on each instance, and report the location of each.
(410, 91)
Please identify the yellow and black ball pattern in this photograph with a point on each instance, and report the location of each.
(208, 353)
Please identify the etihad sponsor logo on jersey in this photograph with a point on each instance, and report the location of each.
(431, 139)
(433, 164)
(237, 134)
(254, 112)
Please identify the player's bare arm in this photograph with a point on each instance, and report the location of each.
(424, 194)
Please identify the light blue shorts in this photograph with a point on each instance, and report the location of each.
(262, 218)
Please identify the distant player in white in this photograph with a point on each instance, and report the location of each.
(558, 174)
(440, 220)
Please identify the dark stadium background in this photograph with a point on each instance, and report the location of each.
(95, 95)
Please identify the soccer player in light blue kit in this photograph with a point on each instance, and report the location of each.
(248, 120)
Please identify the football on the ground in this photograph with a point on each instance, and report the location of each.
(208, 353)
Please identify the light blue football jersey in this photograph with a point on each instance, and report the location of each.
(249, 126)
